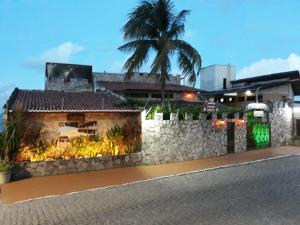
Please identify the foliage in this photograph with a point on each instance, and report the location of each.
(113, 142)
(181, 111)
(11, 137)
(117, 139)
(251, 119)
(153, 110)
(229, 109)
(5, 165)
(155, 26)
(134, 102)
(2, 146)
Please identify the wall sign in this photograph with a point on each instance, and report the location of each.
(257, 106)
(258, 113)
(210, 107)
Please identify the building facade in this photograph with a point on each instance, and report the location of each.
(80, 78)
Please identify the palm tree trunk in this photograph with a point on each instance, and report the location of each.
(163, 87)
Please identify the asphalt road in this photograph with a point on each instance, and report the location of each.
(259, 193)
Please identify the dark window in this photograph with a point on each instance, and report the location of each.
(241, 99)
(298, 127)
(231, 99)
(156, 95)
(137, 95)
(250, 98)
(169, 96)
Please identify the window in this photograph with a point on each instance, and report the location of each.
(137, 95)
(156, 95)
(75, 126)
(251, 98)
(241, 99)
(170, 96)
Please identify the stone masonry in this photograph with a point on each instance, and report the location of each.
(281, 125)
(137, 77)
(75, 84)
(173, 140)
(240, 135)
(55, 167)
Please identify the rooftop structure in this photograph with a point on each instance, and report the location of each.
(271, 87)
(216, 77)
(80, 78)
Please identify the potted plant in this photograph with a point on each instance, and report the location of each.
(158, 113)
(5, 171)
(173, 112)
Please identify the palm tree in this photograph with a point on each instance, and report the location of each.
(154, 26)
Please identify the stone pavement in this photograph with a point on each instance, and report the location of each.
(62, 184)
(266, 192)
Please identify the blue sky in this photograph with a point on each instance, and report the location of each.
(257, 36)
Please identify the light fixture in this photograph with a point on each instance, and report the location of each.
(222, 100)
(248, 93)
(230, 99)
(189, 95)
(239, 122)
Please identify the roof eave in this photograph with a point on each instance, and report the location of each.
(82, 111)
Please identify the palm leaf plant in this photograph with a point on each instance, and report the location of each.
(154, 26)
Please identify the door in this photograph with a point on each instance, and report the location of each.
(230, 137)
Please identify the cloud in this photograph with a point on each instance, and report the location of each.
(267, 66)
(5, 91)
(61, 53)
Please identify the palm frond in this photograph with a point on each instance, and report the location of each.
(137, 59)
(140, 24)
(189, 51)
(133, 45)
(177, 27)
(187, 67)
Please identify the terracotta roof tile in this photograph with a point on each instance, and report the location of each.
(57, 101)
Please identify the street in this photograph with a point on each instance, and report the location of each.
(266, 192)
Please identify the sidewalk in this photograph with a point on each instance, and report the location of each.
(62, 184)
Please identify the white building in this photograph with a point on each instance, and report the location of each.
(216, 77)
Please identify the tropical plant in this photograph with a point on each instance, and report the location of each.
(154, 26)
(5, 166)
(155, 109)
(12, 134)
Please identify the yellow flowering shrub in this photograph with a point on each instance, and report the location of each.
(113, 142)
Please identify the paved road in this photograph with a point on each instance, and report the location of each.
(260, 193)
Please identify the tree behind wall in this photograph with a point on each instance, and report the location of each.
(155, 26)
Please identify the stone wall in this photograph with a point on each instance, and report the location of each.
(240, 134)
(45, 168)
(75, 84)
(166, 141)
(138, 77)
(281, 125)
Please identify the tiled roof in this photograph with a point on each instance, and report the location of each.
(251, 87)
(124, 86)
(57, 101)
(270, 77)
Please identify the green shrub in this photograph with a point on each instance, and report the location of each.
(229, 109)
(194, 110)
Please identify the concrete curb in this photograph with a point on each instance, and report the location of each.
(161, 177)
